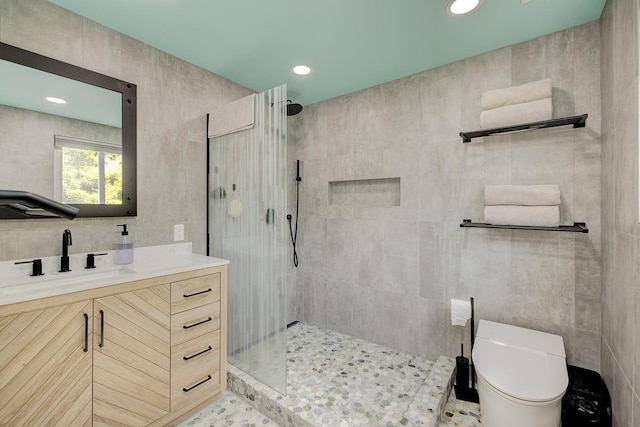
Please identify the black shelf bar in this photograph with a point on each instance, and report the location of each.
(577, 122)
(577, 227)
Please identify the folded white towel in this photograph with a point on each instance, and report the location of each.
(523, 195)
(533, 111)
(234, 117)
(539, 216)
(531, 91)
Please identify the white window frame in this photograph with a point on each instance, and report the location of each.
(61, 141)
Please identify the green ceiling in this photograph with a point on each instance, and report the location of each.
(350, 44)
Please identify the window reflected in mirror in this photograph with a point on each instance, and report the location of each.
(88, 172)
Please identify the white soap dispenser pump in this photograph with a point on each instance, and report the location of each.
(124, 248)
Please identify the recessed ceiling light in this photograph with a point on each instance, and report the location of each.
(55, 100)
(301, 70)
(460, 7)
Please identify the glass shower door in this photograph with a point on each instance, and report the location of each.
(247, 202)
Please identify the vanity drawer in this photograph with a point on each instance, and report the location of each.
(195, 358)
(195, 386)
(191, 293)
(194, 323)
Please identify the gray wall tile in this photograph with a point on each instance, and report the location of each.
(441, 101)
(633, 274)
(606, 365)
(620, 226)
(587, 59)
(546, 57)
(546, 281)
(622, 400)
(440, 181)
(315, 299)
(587, 349)
(433, 328)
(398, 328)
(44, 28)
(496, 66)
(625, 282)
(440, 260)
(339, 306)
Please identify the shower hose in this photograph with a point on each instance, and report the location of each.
(294, 230)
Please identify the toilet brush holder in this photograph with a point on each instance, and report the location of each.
(462, 389)
(462, 372)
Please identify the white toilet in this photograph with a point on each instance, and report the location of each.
(522, 376)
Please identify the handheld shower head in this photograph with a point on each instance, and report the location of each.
(293, 109)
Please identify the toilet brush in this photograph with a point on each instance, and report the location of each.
(462, 372)
(463, 366)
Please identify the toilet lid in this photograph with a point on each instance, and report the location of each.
(515, 336)
(525, 374)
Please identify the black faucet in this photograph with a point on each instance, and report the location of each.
(64, 259)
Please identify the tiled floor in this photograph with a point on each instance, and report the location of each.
(228, 411)
(337, 380)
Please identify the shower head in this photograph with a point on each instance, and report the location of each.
(293, 109)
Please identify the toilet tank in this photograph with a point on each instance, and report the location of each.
(514, 336)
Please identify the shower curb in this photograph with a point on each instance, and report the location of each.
(262, 398)
(430, 401)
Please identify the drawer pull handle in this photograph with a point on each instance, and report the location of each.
(101, 328)
(197, 354)
(86, 332)
(200, 383)
(197, 293)
(196, 324)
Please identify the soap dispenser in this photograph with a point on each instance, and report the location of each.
(124, 248)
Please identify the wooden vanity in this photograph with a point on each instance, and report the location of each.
(144, 352)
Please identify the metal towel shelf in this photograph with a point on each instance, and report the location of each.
(577, 122)
(577, 227)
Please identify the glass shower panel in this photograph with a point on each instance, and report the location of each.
(247, 202)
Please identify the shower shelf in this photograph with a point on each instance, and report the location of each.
(577, 227)
(577, 122)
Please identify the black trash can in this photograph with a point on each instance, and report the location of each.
(587, 402)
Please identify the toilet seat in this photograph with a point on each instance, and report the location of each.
(501, 355)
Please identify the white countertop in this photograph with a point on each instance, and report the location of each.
(16, 284)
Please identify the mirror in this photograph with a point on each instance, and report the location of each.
(82, 152)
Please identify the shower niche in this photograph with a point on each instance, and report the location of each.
(374, 192)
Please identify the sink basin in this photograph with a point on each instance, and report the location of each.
(61, 281)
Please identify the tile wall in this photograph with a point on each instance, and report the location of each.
(620, 219)
(386, 273)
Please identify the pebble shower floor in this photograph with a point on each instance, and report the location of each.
(338, 380)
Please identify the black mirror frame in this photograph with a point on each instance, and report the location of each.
(129, 122)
